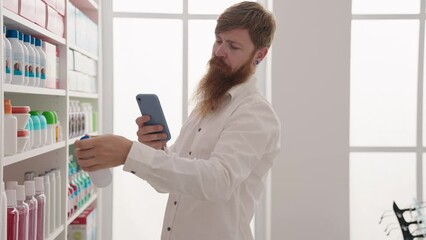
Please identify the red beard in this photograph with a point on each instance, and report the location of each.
(218, 80)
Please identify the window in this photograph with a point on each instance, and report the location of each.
(386, 122)
(159, 47)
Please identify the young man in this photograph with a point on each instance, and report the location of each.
(216, 169)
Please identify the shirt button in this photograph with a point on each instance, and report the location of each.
(168, 229)
(199, 129)
(175, 202)
(190, 153)
(133, 172)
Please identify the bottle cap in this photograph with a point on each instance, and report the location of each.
(43, 122)
(29, 188)
(50, 117)
(27, 38)
(7, 106)
(39, 185)
(12, 33)
(56, 116)
(21, 109)
(11, 185)
(32, 40)
(20, 193)
(11, 198)
(38, 42)
(21, 36)
(36, 122)
(29, 175)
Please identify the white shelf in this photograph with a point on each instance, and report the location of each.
(33, 90)
(85, 4)
(14, 21)
(8, 160)
(83, 51)
(83, 95)
(55, 233)
(79, 211)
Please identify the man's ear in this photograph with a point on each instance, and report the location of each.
(261, 54)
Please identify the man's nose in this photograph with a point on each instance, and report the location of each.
(220, 51)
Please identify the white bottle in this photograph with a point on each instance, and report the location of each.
(17, 57)
(11, 185)
(46, 181)
(26, 58)
(7, 57)
(31, 60)
(37, 62)
(10, 130)
(58, 196)
(3, 213)
(38, 44)
(101, 178)
(53, 202)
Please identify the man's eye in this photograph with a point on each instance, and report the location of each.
(234, 47)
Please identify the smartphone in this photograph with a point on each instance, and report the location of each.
(149, 104)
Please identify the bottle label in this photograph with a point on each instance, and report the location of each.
(43, 73)
(7, 61)
(17, 64)
(37, 72)
(31, 70)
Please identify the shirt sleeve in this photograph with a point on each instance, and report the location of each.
(243, 144)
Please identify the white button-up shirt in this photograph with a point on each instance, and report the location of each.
(216, 169)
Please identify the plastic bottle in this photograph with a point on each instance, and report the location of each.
(32, 203)
(38, 44)
(46, 182)
(17, 65)
(26, 58)
(23, 210)
(58, 197)
(7, 57)
(12, 215)
(43, 128)
(41, 207)
(101, 178)
(29, 127)
(10, 130)
(36, 63)
(52, 201)
(31, 60)
(3, 213)
(36, 131)
(51, 127)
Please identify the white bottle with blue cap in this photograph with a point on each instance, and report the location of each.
(26, 58)
(38, 44)
(101, 178)
(7, 58)
(17, 57)
(31, 60)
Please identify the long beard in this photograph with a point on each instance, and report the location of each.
(218, 80)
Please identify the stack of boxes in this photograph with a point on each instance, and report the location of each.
(48, 14)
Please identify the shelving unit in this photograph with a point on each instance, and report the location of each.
(54, 155)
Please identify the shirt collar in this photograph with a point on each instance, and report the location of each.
(246, 86)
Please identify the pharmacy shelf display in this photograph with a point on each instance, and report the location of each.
(52, 96)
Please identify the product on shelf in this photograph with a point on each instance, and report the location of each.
(41, 207)
(31, 60)
(18, 76)
(7, 58)
(42, 70)
(23, 210)
(33, 206)
(37, 62)
(26, 59)
(12, 215)
(84, 226)
(10, 130)
(3, 212)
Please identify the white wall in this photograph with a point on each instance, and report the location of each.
(310, 92)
